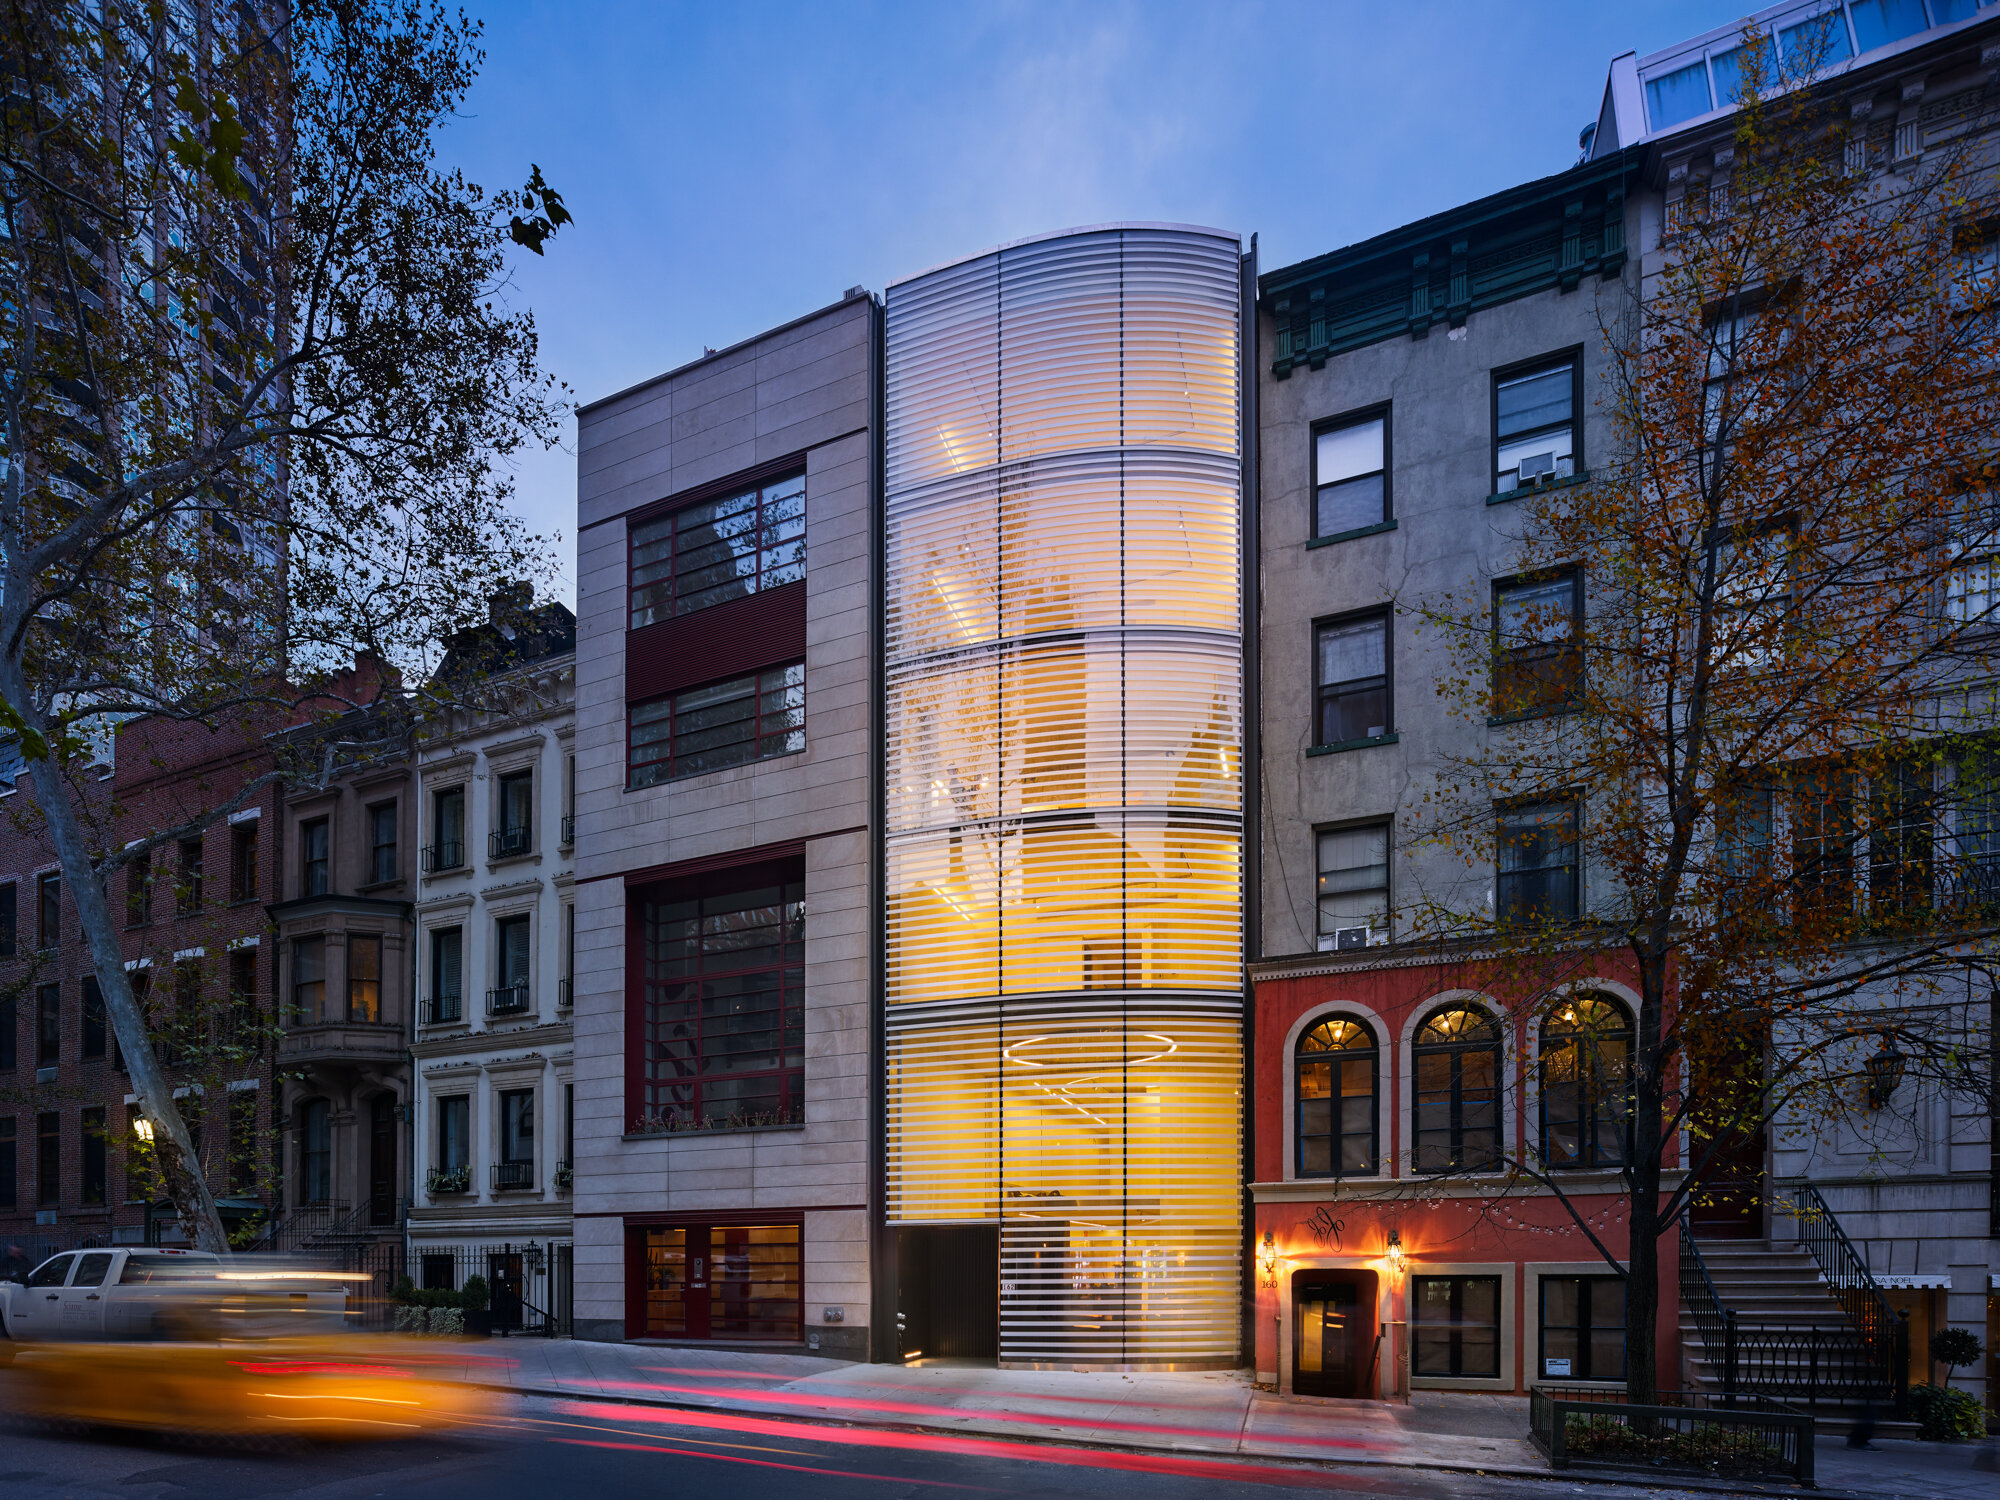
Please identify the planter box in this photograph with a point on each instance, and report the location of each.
(1688, 1432)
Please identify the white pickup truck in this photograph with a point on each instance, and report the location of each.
(145, 1293)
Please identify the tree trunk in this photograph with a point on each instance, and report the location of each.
(1642, 1256)
(179, 1166)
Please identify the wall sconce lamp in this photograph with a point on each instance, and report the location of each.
(1885, 1071)
(1267, 1259)
(1396, 1261)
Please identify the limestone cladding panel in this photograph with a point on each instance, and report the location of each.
(1445, 534)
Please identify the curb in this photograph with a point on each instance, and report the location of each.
(1633, 1480)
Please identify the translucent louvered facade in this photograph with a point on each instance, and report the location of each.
(1063, 833)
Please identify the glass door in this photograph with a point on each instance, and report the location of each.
(1334, 1333)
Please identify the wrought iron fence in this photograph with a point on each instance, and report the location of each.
(446, 856)
(530, 1286)
(1748, 1436)
(502, 842)
(440, 1010)
(507, 1000)
(513, 1176)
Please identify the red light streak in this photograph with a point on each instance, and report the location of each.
(864, 1405)
(1219, 1469)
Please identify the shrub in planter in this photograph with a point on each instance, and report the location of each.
(411, 1319)
(473, 1295)
(1945, 1415)
(448, 1322)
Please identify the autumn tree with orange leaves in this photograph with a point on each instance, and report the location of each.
(1755, 705)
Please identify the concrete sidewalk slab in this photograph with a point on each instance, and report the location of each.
(1213, 1413)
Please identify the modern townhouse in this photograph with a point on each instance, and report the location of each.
(725, 816)
(493, 1086)
(1912, 1180)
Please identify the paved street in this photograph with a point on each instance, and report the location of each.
(542, 1448)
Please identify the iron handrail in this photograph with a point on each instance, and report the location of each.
(1853, 1284)
(1716, 1322)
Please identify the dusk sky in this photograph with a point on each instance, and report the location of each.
(733, 166)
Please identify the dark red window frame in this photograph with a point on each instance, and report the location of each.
(773, 527)
(665, 734)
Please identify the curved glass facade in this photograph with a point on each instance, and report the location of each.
(1064, 840)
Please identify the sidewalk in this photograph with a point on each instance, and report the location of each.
(1218, 1413)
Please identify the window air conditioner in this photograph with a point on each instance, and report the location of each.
(1344, 938)
(1538, 468)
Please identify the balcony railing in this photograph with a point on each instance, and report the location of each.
(508, 1000)
(442, 1010)
(439, 857)
(569, 830)
(448, 1180)
(565, 992)
(502, 843)
(513, 1176)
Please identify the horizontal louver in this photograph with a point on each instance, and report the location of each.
(1064, 783)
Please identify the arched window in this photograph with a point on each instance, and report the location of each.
(1586, 1082)
(1337, 1072)
(1456, 1059)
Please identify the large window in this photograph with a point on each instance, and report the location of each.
(315, 1152)
(1586, 1083)
(48, 911)
(1338, 1068)
(1583, 1328)
(1823, 842)
(243, 861)
(313, 857)
(723, 724)
(139, 890)
(447, 997)
(725, 1009)
(753, 1287)
(382, 842)
(1455, 1326)
(1534, 425)
(1536, 879)
(1902, 812)
(9, 1024)
(48, 1025)
(9, 1190)
(48, 1159)
(447, 846)
(717, 550)
(9, 902)
(514, 827)
(309, 981)
(96, 1025)
(516, 1167)
(1537, 644)
(1972, 577)
(188, 893)
(95, 1185)
(364, 978)
(1353, 679)
(243, 1141)
(510, 965)
(454, 1115)
(1351, 475)
(1353, 885)
(1456, 1057)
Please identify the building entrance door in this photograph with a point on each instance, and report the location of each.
(948, 1292)
(382, 1160)
(1333, 1333)
(503, 1287)
(734, 1282)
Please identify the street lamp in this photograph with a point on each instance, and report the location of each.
(1885, 1071)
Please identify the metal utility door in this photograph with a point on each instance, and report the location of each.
(1333, 1333)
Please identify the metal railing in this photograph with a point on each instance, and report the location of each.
(1883, 1331)
(508, 1000)
(504, 842)
(440, 1010)
(438, 857)
(447, 1180)
(513, 1176)
(1752, 1361)
(1581, 1427)
(529, 1286)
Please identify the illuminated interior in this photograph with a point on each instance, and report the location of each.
(1064, 783)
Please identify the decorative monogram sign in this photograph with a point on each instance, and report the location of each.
(1325, 1227)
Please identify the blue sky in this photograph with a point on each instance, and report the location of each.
(732, 166)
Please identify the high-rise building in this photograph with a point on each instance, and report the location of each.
(1062, 646)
